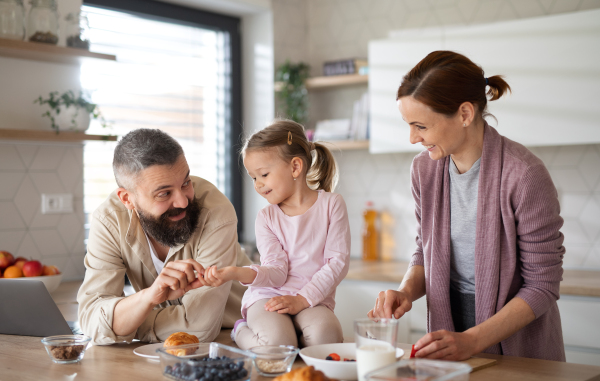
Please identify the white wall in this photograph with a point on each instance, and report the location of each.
(28, 169)
(257, 58)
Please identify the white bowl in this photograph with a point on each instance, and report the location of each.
(340, 370)
(50, 281)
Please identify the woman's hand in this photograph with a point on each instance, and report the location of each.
(390, 302)
(215, 277)
(446, 345)
(287, 304)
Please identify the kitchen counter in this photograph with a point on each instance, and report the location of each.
(24, 358)
(575, 282)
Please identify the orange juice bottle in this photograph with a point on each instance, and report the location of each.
(386, 236)
(369, 234)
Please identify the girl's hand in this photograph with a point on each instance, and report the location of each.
(447, 345)
(287, 304)
(214, 277)
(390, 302)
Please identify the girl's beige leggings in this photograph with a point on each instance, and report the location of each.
(314, 325)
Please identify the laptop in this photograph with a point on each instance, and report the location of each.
(27, 309)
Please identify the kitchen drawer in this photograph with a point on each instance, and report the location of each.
(418, 315)
(582, 356)
(579, 316)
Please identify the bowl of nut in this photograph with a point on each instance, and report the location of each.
(274, 360)
(66, 349)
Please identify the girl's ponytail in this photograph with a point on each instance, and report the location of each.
(323, 172)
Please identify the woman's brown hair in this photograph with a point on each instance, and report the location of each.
(444, 80)
(290, 140)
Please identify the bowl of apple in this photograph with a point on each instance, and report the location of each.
(22, 269)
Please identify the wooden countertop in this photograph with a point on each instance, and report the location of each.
(24, 358)
(575, 282)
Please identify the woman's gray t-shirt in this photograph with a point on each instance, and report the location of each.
(463, 220)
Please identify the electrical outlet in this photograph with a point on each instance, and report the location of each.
(58, 203)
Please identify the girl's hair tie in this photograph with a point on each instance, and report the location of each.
(486, 81)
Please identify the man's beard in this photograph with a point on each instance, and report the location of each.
(171, 233)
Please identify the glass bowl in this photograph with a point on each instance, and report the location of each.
(274, 360)
(205, 361)
(66, 349)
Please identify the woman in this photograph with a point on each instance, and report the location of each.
(489, 250)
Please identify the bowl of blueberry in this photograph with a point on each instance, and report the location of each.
(205, 362)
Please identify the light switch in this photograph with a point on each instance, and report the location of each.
(57, 203)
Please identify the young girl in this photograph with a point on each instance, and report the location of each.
(303, 237)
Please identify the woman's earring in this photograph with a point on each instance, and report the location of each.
(464, 125)
(294, 179)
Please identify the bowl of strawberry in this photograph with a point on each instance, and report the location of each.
(337, 361)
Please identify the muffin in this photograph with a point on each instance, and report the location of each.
(181, 338)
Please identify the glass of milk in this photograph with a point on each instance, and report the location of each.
(375, 344)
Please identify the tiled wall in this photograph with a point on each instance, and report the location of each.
(26, 172)
(336, 29)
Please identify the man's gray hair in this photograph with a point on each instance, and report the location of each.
(140, 149)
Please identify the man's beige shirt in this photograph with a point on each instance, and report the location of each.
(117, 246)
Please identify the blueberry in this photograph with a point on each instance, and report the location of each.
(213, 371)
(241, 363)
(328, 358)
(168, 369)
(243, 373)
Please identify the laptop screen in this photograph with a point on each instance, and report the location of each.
(27, 309)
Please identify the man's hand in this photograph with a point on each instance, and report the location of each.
(175, 280)
(390, 302)
(446, 345)
(287, 304)
(215, 277)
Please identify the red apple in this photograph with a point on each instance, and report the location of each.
(32, 268)
(6, 259)
(19, 262)
(50, 270)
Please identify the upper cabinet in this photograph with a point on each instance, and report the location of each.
(551, 64)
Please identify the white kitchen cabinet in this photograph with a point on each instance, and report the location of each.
(579, 318)
(354, 299)
(550, 62)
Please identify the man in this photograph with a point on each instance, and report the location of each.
(161, 227)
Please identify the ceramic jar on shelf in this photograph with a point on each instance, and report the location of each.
(12, 19)
(42, 22)
(77, 31)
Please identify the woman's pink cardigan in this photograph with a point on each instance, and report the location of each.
(518, 247)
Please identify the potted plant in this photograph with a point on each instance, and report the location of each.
(67, 111)
(292, 91)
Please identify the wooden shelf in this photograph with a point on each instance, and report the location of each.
(346, 145)
(319, 83)
(38, 51)
(41, 135)
(316, 83)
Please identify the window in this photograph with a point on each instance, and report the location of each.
(179, 74)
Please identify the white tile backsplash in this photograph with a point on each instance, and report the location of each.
(28, 249)
(9, 184)
(26, 171)
(47, 158)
